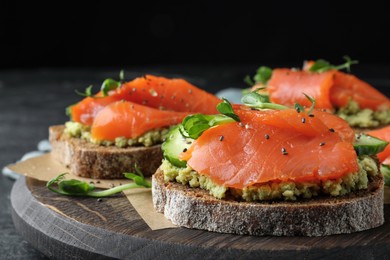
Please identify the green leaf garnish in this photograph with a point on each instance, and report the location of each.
(87, 92)
(138, 177)
(81, 188)
(226, 109)
(323, 65)
(299, 108)
(260, 101)
(108, 85)
(263, 74)
(313, 102)
(249, 81)
(195, 125)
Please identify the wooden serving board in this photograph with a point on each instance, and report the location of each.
(82, 228)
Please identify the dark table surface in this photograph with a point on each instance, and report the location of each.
(32, 100)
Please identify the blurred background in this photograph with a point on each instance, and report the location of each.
(114, 34)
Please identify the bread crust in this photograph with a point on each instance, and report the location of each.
(195, 208)
(100, 162)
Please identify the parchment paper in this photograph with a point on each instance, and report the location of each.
(44, 168)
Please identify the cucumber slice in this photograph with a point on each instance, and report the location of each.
(385, 170)
(175, 144)
(369, 145)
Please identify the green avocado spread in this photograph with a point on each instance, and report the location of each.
(156, 136)
(363, 118)
(276, 190)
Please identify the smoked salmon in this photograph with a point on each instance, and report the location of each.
(332, 89)
(156, 92)
(384, 134)
(130, 120)
(274, 146)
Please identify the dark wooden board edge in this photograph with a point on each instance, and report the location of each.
(60, 237)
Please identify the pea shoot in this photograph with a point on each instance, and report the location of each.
(262, 76)
(226, 109)
(74, 187)
(194, 125)
(256, 100)
(87, 92)
(323, 65)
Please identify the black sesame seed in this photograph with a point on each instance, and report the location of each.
(303, 120)
(91, 182)
(285, 153)
(283, 150)
(99, 200)
(266, 136)
(97, 181)
(332, 130)
(322, 144)
(188, 142)
(297, 109)
(184, 150)
(221, 138)
(311, 115)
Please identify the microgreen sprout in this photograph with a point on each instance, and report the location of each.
(323, 65)
(260, 101)
(226, 109)
(194, 125)
(87, 92)
(74, 187)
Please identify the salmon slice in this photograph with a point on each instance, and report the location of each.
(384, 134)
(157, 92)
(273, 147)
(286, 87)
(86, 110)
(130, 120)
(169, 94)
(348, 87)
(331, 89)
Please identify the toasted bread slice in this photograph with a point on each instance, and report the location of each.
(195, 208)
(100, 162)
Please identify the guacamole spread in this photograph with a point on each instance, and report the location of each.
(276, 190)
(156, 136)
(363, 118)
